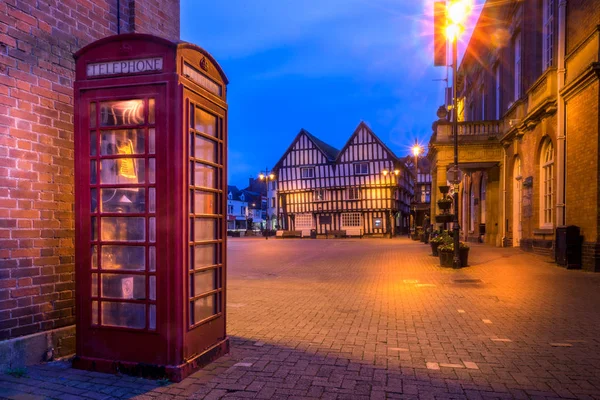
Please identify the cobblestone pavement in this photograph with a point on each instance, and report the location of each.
(375, 319)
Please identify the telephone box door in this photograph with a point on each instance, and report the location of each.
(123, 233)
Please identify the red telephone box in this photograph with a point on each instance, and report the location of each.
(150, 204)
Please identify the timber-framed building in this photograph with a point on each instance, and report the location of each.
(362, 189)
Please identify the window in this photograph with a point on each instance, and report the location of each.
(307, 173)
(351, 220)
(498, 90)
(243, 210)
(517, 67)
(272, 202)
(320, 195)
(272, 185)
(547, 182)
(548, 35)
(304, 221)
(353, 194)
(482, 92)
(229, 210)
(361, 168)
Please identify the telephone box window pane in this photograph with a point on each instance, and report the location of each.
(204, 175)
(205, 122)
(94, 229)
(152, 287)
(204, 256)
(94, 285)
(128, 258)
(204, 202)
(151, 140)
(203, 282)
(152, 322)
(93, 200)
(151, 170)
(123, 112)
(129, 229)
(94, 257)
(152, 229)
(203, 308)
(205, 149)
(94, 313)
(152, 261)
(93, 172)
(191, 116)
(122, 171)
(123, 141)
(152, 200)
(93, 144)
(128, 315)
(92, 115)
(120, 286)
(123, 200)
(205, 229)
(151, 110)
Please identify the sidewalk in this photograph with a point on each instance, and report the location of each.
(375, 319)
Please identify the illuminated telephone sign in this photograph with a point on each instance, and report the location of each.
(150, 159)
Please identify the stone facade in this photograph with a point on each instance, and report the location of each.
(538, 80)
(37, 42)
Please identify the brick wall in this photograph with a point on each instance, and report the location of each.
(582, 17)
(37, 42)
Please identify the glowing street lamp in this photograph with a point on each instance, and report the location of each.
(266, 176)
(457, 12)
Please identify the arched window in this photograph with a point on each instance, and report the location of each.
(547, 185)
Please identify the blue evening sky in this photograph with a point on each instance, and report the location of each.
(321, 65)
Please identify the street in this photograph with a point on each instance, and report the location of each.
(376, 319)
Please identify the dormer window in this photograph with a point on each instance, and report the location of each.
(361, 168)
(307, 172)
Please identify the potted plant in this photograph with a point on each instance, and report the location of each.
(446, 252)
(444, 189)
(445, 203)
(439, 239)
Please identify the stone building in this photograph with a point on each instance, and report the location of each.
(37, 43)
(528, 114)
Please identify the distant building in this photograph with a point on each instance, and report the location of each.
(364, 189)
(528, 126)
(421, 204)
(237, 209)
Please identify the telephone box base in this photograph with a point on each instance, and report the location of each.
(151, 371)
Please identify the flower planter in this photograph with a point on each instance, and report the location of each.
(444, 218)
(446, 258)
(444, 189)
(434, 248)
(444, 205)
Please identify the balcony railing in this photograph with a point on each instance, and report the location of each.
(469, 130)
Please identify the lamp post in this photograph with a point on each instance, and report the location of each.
(416, 150)
(396, 173)
(266, 176)
(456, 13)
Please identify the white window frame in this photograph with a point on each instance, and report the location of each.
(517, 66)
(230, 209)
(353, 193)
(320, 195)
(361, 168)
(548, 34)
(304, 221)
(351, 220)
(547, 185)
(307, 172)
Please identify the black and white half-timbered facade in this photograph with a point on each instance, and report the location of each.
(363, 189)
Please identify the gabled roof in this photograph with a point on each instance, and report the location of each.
(362, 124)
(328, 151)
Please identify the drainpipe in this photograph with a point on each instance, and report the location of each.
(503, 178)
(560, 117)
